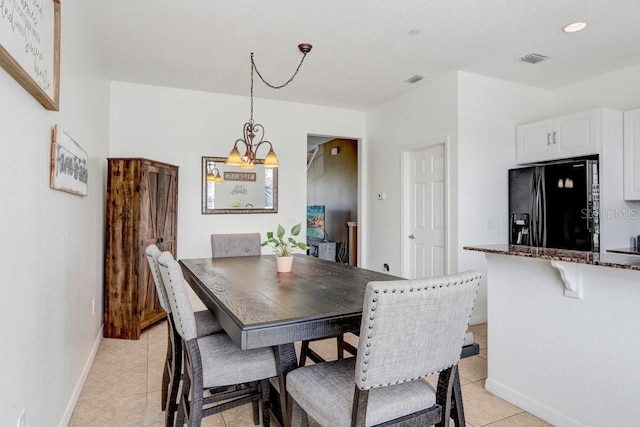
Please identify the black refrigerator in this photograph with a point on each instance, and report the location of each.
(555, 205)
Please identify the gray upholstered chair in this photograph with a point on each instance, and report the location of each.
(410, 329)
(239, 244)
(213, 361)
(206, 324)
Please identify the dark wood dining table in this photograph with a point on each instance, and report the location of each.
(259, 307)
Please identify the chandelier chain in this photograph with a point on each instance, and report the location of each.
(254, 66)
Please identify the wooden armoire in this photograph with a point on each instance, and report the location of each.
(142, 206)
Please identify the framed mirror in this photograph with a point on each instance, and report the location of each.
(234, 190)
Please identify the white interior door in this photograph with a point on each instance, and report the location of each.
(425, 200)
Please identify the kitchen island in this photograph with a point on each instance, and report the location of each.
(564, 333)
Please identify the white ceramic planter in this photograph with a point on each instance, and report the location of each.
(284, 264)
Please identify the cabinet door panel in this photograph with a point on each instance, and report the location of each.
(158, 193)
(148, 203)
(167, 205)
(149, 306)
(632, 155)
(534, 142)
(577, 134)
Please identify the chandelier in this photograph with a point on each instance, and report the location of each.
(251, 130)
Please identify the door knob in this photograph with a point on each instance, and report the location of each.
(411, 236)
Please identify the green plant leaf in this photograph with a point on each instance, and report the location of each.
(280, 231)
(295, 230)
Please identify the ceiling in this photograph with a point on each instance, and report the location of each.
(362, 49)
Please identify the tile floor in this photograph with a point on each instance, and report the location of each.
(123, 387)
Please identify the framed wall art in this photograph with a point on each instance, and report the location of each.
(69, 168)
(30, 47)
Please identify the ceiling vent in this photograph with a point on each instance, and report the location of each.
(534, 58)
(414, 79)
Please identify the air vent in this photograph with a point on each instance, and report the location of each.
(534, 58)
(414, 79)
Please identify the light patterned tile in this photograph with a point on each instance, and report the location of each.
(479, 329)
(113, 352)
(125, 411)
(473, 368)
(521, 420)
(157, 333)
(327, 349)
(480, 340)
(154, 416)
(155, 371)
(106, 381)
(241, 416)
(482, 407)
(123, 387)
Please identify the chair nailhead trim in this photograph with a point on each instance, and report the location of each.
(373, 308)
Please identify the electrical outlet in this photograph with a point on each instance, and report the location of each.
(20, 420)
(386, 267)
(93, 306)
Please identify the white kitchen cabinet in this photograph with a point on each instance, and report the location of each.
(573, 135)
(632, 155)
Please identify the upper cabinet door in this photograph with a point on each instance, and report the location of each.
(632, 155)
(577, 134)
(534, 142)
(573, 135)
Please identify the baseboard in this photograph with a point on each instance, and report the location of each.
(476, 320)
(66, 417)
(543, 412)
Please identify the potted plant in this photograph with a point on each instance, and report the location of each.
(283, 246)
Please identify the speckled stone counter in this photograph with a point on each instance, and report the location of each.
(614, 260)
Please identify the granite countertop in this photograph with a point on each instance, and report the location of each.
(614, 260)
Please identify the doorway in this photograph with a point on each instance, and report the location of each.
(333, 198)
(425, 211)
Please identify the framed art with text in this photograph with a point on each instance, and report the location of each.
(30, 47)
(69, 170)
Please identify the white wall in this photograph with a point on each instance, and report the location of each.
(51, 242)
(180, 126)
(488, 112)
(619, 90)
(424, 116)
(477, 116)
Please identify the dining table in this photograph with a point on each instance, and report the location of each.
(259, 307)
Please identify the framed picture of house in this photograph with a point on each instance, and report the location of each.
(69, 170)
(30, 47)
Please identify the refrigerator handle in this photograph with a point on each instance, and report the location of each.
(535, 209)
(543, 209)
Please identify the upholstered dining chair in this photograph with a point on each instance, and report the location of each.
(206, 324)
(213, 361)
(238, 244)
(469, 348)
(409, 329)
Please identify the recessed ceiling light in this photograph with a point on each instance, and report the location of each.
(575, 27)
(414, 32)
